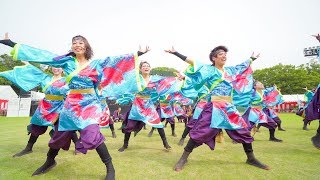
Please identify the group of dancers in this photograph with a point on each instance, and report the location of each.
(224, 98)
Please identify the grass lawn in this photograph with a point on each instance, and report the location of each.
(295, 158)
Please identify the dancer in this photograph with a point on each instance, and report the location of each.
(47, 113)
(219, 113)
(82, 108)
(308, 95)
(143, 109)
(117, 116)
(258, 99)
(54, 87)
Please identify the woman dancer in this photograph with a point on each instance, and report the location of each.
(82, 109)
(143, 109)
(54, 87)
(47, 113)
(260, 98)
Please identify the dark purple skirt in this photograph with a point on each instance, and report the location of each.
(267, 112)
(312, 111)
(36, 130)
(90, 138)
(129, 125)
(203, 133)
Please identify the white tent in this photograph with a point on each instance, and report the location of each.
(293, 98)
(37, 96)
(17, 107)
(7, 93)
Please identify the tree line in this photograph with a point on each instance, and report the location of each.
(289, 78)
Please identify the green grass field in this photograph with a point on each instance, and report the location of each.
(295, 158)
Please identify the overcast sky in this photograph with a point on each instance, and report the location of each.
(278, 29)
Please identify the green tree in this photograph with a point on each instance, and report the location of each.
(163, 71)
(289, 78)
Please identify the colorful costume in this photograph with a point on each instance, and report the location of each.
(257, 111)
(143, 111)
(82, 108)
(47, 113)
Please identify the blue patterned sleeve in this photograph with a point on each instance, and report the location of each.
(199, 74)
(119, 75)
(26, 77)
(27, 53)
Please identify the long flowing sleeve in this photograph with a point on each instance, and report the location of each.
(168, 85)
(199, 73)
(240, 68)
(119, 75)
(27, 53)
(244, 99)
(26, 77)
(272, 97)
(241, 77)
(308, 96)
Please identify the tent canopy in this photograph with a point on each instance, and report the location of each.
(293, 98)
(7, 93)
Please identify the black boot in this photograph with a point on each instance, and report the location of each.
(184, 158)
(184, 135)
(258, 128)
(74, 139)
(125, 142)
(144, 127)
(316, 139)
(305, 124)
(114, 134)
(251, 159)
(49, 164)
(173, 130)
(151, 132)
(105, 157)
(112, 130)
(164, 139)
(280, 128)
(272, 138)
(28, 148)
(165, 125)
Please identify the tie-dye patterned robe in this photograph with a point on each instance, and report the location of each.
(143, 108)
(269, 97)
(28, 77)
(221, 83)
(116, 75)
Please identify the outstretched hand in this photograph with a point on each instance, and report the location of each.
(6, 36)
(144, 50)
(317, 36)
(172, 50)
(305, 88)
(254, 57)
(180, 76)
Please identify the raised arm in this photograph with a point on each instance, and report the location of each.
(317, 37)
(184, 58)
(6, 41)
